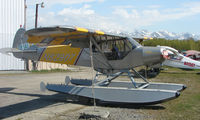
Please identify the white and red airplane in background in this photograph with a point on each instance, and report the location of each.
(173, 59)
(193, 54)
(176, 59)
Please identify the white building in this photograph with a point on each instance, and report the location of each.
(11, 19)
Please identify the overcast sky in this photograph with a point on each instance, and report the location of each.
(119, 15)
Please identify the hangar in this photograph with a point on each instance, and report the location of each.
(13, 16)
(11, 19)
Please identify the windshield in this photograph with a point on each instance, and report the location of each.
(133, 43)
(174, 54)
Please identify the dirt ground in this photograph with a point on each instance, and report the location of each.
(21, 99)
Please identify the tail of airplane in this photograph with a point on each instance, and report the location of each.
(20, 43)
(20, 39)
(21, 48)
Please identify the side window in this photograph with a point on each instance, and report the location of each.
(175, 56)
(115, 49)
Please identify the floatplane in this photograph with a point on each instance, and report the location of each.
(111, 55)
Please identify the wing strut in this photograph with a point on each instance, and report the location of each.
(140, 75)
(92, 65)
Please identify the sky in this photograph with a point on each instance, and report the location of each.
(119, 15)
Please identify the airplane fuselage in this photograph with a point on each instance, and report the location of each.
(106, 59)
(184, 63)
(65, 54)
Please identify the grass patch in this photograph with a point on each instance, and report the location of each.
(50, 71)
(185, 107)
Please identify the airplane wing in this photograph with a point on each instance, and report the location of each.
(61, 35)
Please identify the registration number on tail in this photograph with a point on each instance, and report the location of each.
(59, 57)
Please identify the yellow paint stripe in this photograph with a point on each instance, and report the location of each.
(57, 41)
(35, 39)
(56, 46)
(145, 38)
(99, 32)
(81, 29)
(38, 39)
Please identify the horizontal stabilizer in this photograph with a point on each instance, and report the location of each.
(6, 51)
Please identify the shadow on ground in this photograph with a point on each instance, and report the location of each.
(18, 108)
(46, 100)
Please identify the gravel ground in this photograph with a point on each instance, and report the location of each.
(21, 99)
(116, 113)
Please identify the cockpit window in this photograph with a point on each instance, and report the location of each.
(174, 55)
(114, 48)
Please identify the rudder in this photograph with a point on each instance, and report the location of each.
(20, 39)
(20, 42)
